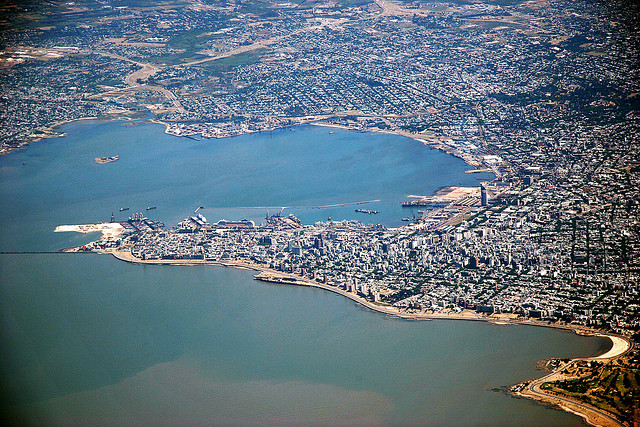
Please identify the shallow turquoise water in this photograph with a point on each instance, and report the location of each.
(87, 338)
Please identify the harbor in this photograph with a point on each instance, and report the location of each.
(208, 313)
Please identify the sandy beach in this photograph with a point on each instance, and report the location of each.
(591, 415)
(620, 346)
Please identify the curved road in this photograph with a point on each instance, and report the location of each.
(536, 384)
(585, 410)
(134, 79)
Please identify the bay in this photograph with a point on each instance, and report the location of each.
(89, 339)
(57, 182)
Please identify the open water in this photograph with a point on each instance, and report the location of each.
(88, 339)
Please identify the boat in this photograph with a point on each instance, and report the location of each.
(150, 207)
(106, 159)
(124, 209)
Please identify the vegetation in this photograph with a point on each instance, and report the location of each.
(613, 386)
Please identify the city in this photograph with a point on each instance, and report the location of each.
(543, 94)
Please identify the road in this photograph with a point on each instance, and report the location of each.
(133, 80)
(263, 43)
(621, 346)
(586, 410)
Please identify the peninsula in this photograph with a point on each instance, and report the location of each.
(391, 271)
(544, 94)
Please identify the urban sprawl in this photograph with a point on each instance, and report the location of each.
(545, 94)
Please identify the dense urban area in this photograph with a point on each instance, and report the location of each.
(543, 93)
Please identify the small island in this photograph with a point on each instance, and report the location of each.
(106, 159)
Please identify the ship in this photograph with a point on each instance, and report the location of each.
(105, 159)
(124, 209)
(367, 211)
(150, 207)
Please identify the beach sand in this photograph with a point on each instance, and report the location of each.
(620, 346)
(109, 230)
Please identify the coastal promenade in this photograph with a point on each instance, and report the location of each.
(271, 275)
(620, 345)
(532, 390)
(591, 415)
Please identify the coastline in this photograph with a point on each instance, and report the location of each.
(47, 132)
(531, 389)
(388, 310)
(592, 416)
(167, 130)
(301, 281)
(620, 345)
(434, 142)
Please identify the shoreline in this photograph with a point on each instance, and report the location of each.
(47, 132)
(302, 281)
(167, 127)
(532, 389)
(590, 415)
(619, 345)
(616, 350)
(434, 142)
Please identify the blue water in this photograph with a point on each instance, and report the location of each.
(88, 339)
(61, 184)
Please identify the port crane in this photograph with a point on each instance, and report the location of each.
(283, 208)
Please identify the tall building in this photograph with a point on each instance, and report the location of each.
(484, 198)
